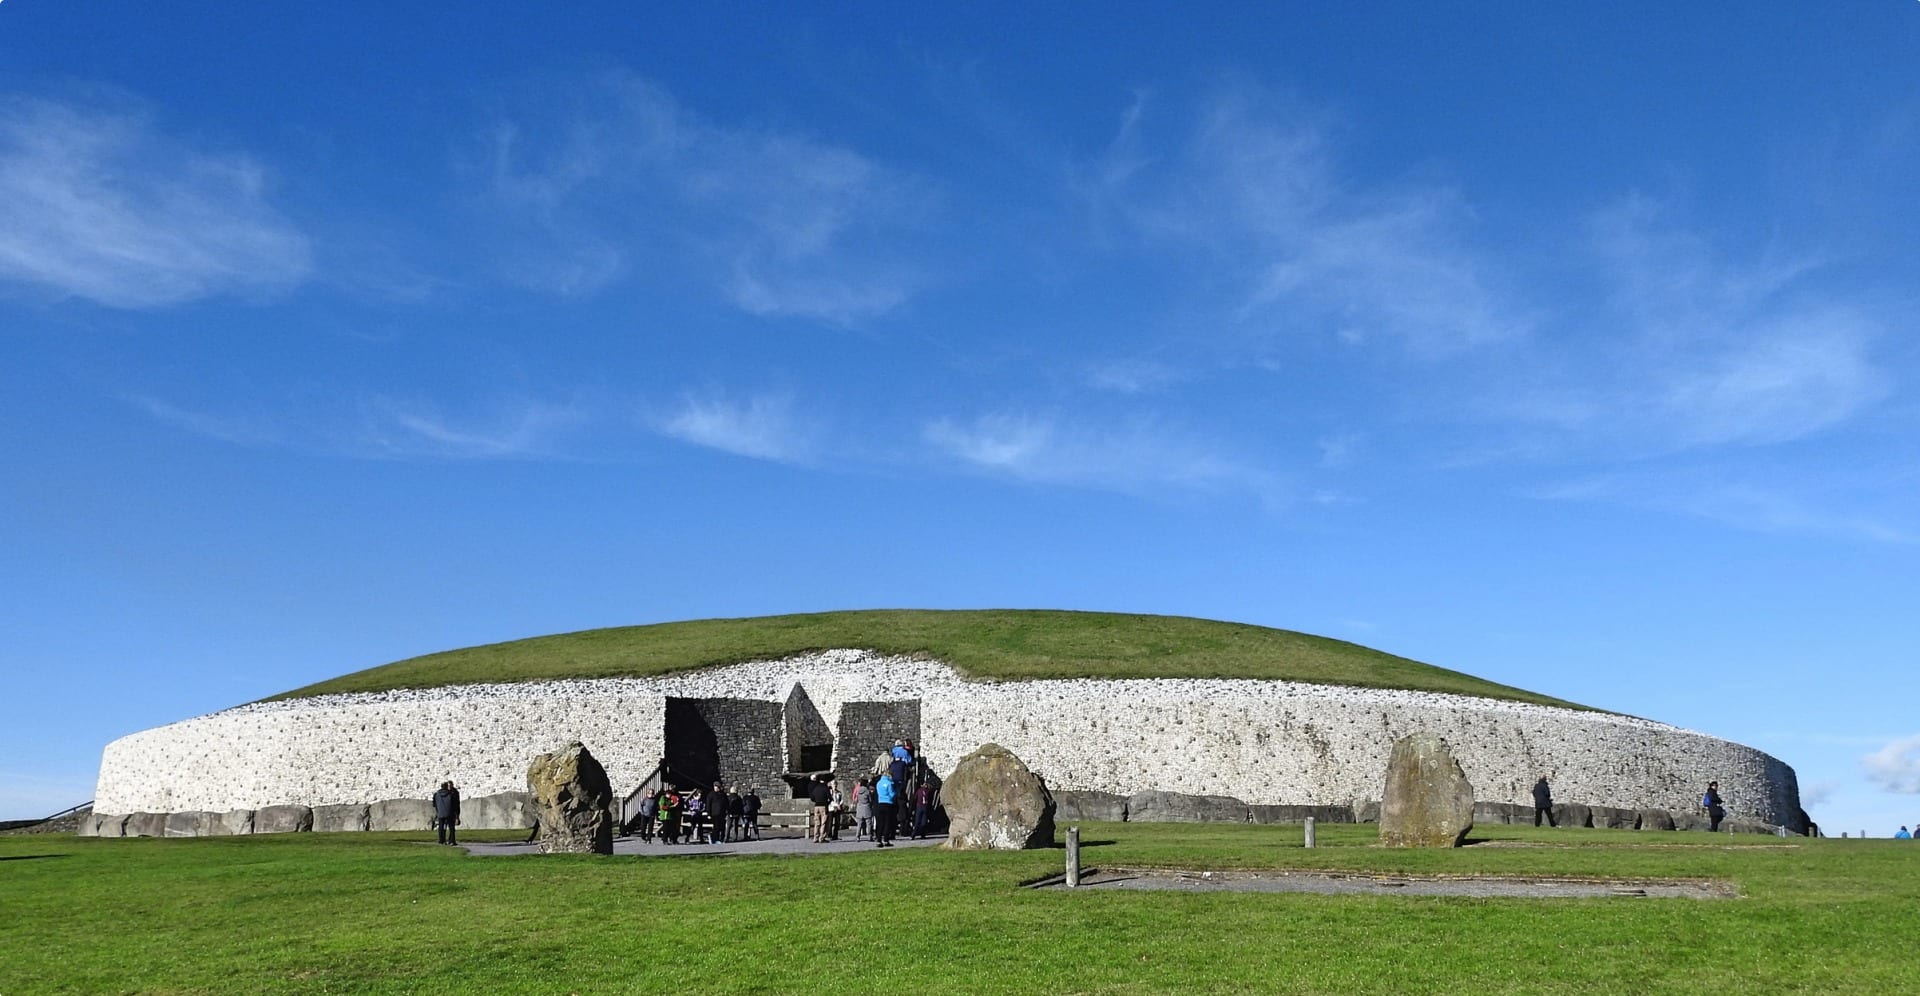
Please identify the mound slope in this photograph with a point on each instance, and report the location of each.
(988, 644)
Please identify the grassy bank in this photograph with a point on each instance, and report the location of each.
(987, 644)
(392, 913)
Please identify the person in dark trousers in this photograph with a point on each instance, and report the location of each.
(1716, 809)
(885, 812)
(750, 813)
(446, 813)
(1543, 802)
(717, 813)
(649, 812)
(734, 810)
(822, 796)
(922, 808)
(669, 816)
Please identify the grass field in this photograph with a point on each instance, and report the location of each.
(393, 913)
(988, 644)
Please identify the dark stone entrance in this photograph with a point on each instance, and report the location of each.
(735, 741)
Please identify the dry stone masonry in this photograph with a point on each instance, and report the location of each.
(1261, 750)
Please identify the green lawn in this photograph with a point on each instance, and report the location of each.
(392, 913)
(987, 644)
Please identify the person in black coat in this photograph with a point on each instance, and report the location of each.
(1543, 802)
(446, 813)
(1716, 810)
(821, 795)
(750, 813)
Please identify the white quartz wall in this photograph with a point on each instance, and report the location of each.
(1264, 742)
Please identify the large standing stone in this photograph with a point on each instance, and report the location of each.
(282, 819)
(1428, 801)
(573, 801)
(1179, 807)
(994, 802)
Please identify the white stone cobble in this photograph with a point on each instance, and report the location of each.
(1263, 742)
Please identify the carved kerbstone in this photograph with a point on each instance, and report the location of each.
(994, 802)
(1428, 801)
(573, 800)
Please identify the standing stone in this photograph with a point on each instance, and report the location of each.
(1428, 801)
(573, 800)
(994, 802)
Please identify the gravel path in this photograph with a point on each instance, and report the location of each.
(783, 844)
(1388, 885)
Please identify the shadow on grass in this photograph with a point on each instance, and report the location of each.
(30, 857)
(1061, 845)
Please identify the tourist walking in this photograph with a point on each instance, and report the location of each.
(1716, 809)
(884, 810)
(1543, 802)
(446, 813)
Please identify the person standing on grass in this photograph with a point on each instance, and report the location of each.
(446, 813)
(1543, 802)
(1716, 809)
(884, 810)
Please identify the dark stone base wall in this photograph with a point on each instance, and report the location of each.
(735, 741)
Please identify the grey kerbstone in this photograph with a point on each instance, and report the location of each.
(995, 802)
(1428, 801)
(1613, 818)
(1299, 814)
(193, 824)
(1688, 819)
(404, 814)
(146, 825)
(573, 801)
(1572, 814)
(282, 819)
(233, 823)
(1503, 812)
(501, 811)
(1366, 811)
(1746, 826)
(1656, 819)
(108, 825)
(1178, 807)
(1069, 807)
(341, 817)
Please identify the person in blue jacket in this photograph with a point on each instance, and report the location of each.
(1903, 835)
(883, 810)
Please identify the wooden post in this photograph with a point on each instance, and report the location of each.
(1073, 857)
(1309, 831)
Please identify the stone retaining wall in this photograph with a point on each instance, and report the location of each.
(1262, 743)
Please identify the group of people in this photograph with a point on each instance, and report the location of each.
(883, 803)
(700, 816)
(1710, 801)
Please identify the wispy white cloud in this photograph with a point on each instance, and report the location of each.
(1141, 455)
(387, 428)
(1731, 499)
(100, 204)
(243, 430)
(784, 224)
(1258, 190)
(763, 428)
(1896, 767)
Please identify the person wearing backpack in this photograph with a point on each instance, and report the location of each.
(1716, 809)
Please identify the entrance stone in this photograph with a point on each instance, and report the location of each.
(994, 802)
(573, 800)
(1428, 801)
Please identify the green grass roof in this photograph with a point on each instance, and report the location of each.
(993, 644)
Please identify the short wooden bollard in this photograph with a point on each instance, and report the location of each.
(1073, 857)
(1309, 828)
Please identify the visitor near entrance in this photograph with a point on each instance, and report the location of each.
(822, 797)
(1716, 809)
(1543, 802)
(446, 813)
(885, 812)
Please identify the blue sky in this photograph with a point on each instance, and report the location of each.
(1567, 345)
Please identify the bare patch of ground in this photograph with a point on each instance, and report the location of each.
(1338, 884)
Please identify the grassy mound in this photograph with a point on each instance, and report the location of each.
(984, 644)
